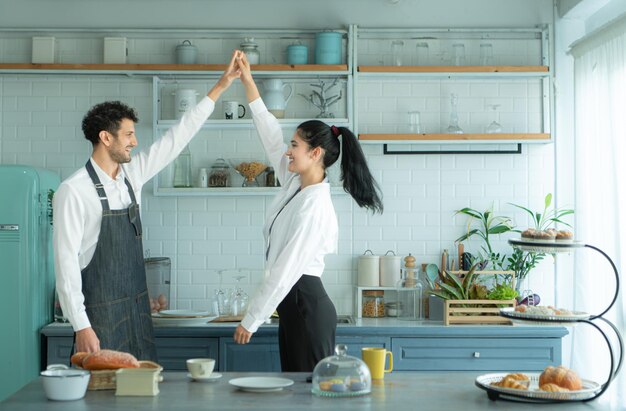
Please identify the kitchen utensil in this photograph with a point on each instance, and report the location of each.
(368, 270)
(297, 54)
(328, 47)
(466, 261)
(250, 48)
(274, 96)
(375, 359)
(64, 384)
(261, 384)
(390, 267)
(341, 375)
(186, 53)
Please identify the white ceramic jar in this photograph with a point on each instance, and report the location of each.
(368, 269)
(390, 269)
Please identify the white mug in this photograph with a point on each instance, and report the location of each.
(200, 367)
(231, 110)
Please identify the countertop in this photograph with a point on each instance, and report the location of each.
(361, 326)
(440, 391)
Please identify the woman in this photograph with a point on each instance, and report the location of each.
(301, 228)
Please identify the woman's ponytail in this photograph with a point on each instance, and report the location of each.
(355, 174)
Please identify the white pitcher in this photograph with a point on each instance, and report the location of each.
(274, 96)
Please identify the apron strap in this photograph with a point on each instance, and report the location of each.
(99, 187)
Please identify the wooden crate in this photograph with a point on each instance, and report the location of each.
(482, 315)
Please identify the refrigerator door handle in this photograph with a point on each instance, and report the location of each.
(9, 227)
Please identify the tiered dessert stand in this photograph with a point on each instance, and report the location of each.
(590, 390)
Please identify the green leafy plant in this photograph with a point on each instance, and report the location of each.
(502, 292)
(549, 216)
(484, 225)
(455, 288)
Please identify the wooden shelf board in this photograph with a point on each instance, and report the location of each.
(453, 69)
(446, 137)
(171, 67)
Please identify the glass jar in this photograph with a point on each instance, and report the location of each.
(220, 175)
(341, 375)
(270, 177)
(410, 295)
(251, 49)
(373, 304)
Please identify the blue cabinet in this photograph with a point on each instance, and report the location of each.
(475, 354)
(173, 352)
(260, 354)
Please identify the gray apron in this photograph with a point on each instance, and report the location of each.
(114, 281)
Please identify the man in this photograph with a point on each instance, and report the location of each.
(98, 252)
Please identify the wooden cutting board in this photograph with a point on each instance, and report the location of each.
(228, 319)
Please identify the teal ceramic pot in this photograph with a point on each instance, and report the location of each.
(297, 54)
(328, 47)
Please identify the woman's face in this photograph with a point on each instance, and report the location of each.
(301, 156)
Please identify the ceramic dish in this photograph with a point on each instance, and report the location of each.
(211, 378)
(589, 389)
(539, 246)
(261, 384)
(180, 321)
(509, 312)
(183, 313)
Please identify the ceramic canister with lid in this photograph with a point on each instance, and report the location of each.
(186, 53)
(250, 48)
(328, 47)
(297, 54)
(368, 269)
(390, 269)
(184, 100)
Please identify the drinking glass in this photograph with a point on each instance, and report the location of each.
(414, 122)
(396, 52)
(494, 126)
(454, 128)
(421, 57)
(239, 299)
(458, 51)
(486, 54)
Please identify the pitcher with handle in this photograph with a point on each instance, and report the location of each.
(274, 96)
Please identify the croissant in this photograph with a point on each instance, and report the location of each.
(508, 382)
(552, 388)
(561, 376)
(518, 377)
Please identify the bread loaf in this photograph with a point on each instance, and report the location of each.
(561, 376)
(78, 358)
(109, 360)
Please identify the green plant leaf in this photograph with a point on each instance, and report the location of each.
(470, 212)
(443, 296)
(548, 200)
(452, 291)
(469, 278)
(467, 235)
(499, 229)
(532, 213)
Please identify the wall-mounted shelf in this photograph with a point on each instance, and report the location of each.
(454, 138)
(454, 69)
(248, 124)
(226, 191)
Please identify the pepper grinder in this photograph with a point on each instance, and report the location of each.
(409, 263)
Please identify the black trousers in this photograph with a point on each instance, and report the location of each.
(306, 330)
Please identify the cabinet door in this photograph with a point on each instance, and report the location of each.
(475, 354)
(261, 354)
(356, 343)
(173, 353)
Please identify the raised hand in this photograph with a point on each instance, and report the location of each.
(252, 93)
(231, 73)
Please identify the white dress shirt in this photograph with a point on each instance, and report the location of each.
(78, 211)
(302, 234)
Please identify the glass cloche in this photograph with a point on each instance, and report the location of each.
(341, 375)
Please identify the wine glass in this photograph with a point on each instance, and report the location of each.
(239, 298)
(494, 127)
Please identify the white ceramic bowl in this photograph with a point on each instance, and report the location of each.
(65, 385)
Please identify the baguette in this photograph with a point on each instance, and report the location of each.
(109, 360)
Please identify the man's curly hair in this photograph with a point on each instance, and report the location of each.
(106, 116)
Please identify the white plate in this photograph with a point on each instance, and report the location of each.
(213, 377)
(589, 389)
(178, 322)
(261, 384)
(509, 312)
(184, 313)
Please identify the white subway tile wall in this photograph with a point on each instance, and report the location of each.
(40, 119)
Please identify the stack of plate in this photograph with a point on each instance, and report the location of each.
(182, 317)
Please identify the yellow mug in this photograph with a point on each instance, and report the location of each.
(375, 360)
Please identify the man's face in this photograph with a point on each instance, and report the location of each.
(123, 142)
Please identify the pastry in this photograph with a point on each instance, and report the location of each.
(561, 376)
(529, 233)
(545, 235)
(109, 360)
(564, 235)
(552, 388)
(518, 377)
(510, 382)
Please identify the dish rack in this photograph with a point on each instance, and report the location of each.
(495, 393)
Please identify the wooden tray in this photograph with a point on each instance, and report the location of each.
(228, 319)
(105, 379)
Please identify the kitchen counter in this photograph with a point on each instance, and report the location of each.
(434, 391)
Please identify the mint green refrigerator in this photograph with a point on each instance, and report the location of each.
(26, 271)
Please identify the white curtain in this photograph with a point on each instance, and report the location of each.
(600, 184)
